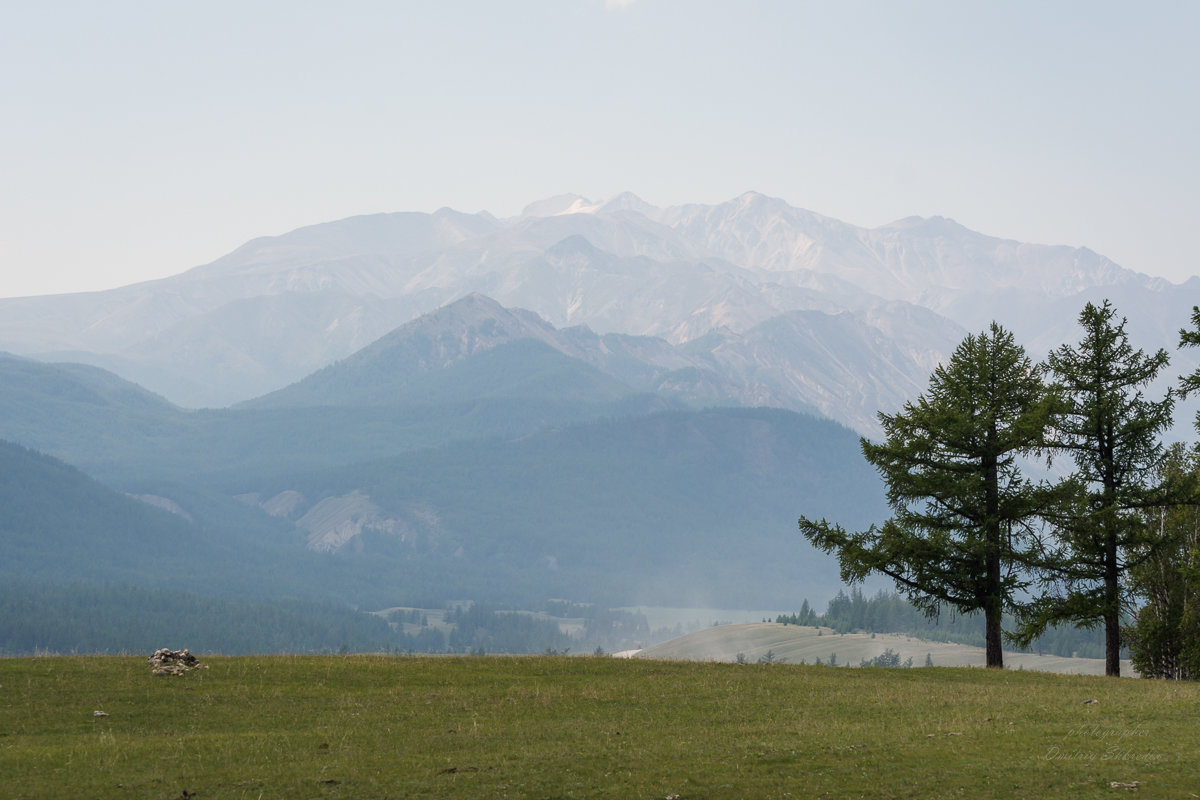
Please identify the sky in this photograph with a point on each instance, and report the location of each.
(140, 139)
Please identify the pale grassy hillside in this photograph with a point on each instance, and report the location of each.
(796, 643)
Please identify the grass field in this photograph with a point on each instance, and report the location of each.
(540, 727)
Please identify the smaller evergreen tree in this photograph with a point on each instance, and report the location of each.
(965, 515)
(1164, 641)
(1111, 431)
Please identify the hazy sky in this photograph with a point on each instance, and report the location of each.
(143, 138)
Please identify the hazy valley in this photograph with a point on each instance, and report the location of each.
(608, 404)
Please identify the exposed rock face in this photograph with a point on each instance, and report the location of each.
(165, 503)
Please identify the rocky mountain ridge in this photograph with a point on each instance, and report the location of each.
(812, 311)
(843, 366)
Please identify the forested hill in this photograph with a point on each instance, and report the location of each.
(58, 524)
(57, 520)
(482, 481)
(674, 508)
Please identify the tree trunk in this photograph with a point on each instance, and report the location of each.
(992, 639)
(1112, 613)
(1112, 645)
(994, 602)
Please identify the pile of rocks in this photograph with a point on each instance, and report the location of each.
(166, 661)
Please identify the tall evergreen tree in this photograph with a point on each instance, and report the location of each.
(964, 512)
(1112, 432)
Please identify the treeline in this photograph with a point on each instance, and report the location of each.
(80, 618)
(40, 618)
(890, 612)
(480, 629)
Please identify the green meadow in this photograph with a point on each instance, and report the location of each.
(558, 727)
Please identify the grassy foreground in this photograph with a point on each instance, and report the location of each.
(403, 727)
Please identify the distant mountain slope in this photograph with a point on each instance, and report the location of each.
(924, 261)
(60, 525)
(280, 307)
(423, 361)
(73, 383)
(682, 506)
(256, 264)
(845, 366)
(133, 439)
(260, 343)
(507, 501)
(520, 368)
(685, 503)
(72, 409)
(475, 348)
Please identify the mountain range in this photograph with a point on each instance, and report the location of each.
(773, 305)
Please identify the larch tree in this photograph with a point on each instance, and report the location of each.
(965, 515)
(1112, 433)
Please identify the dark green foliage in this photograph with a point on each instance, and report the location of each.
(806, 616)
(888, 658)
(769, 657)
(1164, 641)
(1191, 338)
(963, 512)
(1111, 431)
(888, 612)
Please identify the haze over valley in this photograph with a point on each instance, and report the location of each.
(601, 403)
